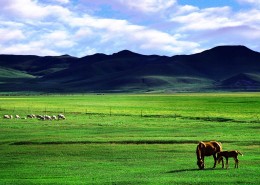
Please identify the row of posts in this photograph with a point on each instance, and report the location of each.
(64, 111)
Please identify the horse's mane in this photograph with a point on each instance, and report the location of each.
(218, 145)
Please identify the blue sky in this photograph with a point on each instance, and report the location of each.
(163, 27)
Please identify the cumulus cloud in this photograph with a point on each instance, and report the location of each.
(220, 26)
(141, 6)
(206, 19)
(58, 38)
(22, 8)
(252, 2)
(11, 35)
(62, 1)
(30, 48)
(148, 5)
(121, 34)
(54, 27)
(29, 9)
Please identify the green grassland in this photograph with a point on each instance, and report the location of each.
(128, 139)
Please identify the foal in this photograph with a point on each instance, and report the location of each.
(227, 154)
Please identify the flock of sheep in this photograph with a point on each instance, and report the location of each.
(39, 117)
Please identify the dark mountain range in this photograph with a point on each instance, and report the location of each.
(223, 68)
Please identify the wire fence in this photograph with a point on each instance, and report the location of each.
(110, 112)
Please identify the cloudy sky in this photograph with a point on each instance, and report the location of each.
(163, 27)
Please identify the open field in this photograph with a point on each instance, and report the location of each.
(128, 139)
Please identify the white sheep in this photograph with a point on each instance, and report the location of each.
(46, 117)
(30, 116)
(40, 117)
(7, 117)
(54, 117)
(61, 116)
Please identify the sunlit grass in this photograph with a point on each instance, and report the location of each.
(128, 139)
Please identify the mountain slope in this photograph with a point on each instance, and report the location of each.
(219, 68)
(223, 61)
(241, 81)
(124, 71)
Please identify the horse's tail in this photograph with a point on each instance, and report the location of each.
(239, 153)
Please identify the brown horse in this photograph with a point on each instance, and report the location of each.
(208, 149)
(227, 154)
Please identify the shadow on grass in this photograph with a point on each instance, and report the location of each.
(192, 169)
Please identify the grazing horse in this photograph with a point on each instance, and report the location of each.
(227, 154)
(208, 149)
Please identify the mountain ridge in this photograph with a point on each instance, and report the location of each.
(215, 69)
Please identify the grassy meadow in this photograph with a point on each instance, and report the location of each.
(128, 139)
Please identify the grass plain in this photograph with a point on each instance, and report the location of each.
(128, 139)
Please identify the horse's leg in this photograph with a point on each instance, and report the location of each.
(236, 162)
(215, 160)
(227, 162)
(222, 159)
(203, 162)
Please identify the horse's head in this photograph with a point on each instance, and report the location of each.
(200, 164)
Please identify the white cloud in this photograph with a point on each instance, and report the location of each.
(144, 6)
(22, 8)
(206, 19)
(83, 33)
(30, 48)
(220, 25)
(46, 27)
(58, 38)
(121, 34)
(185, 9)
(11, 24)
(148, 5)
(252, 2)
(11, 35)
(30, 9)
(62, 1)
(252, 20)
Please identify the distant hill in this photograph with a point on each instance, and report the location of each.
(223, 68)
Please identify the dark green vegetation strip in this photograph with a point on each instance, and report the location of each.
(102, 142)
(125, 142)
